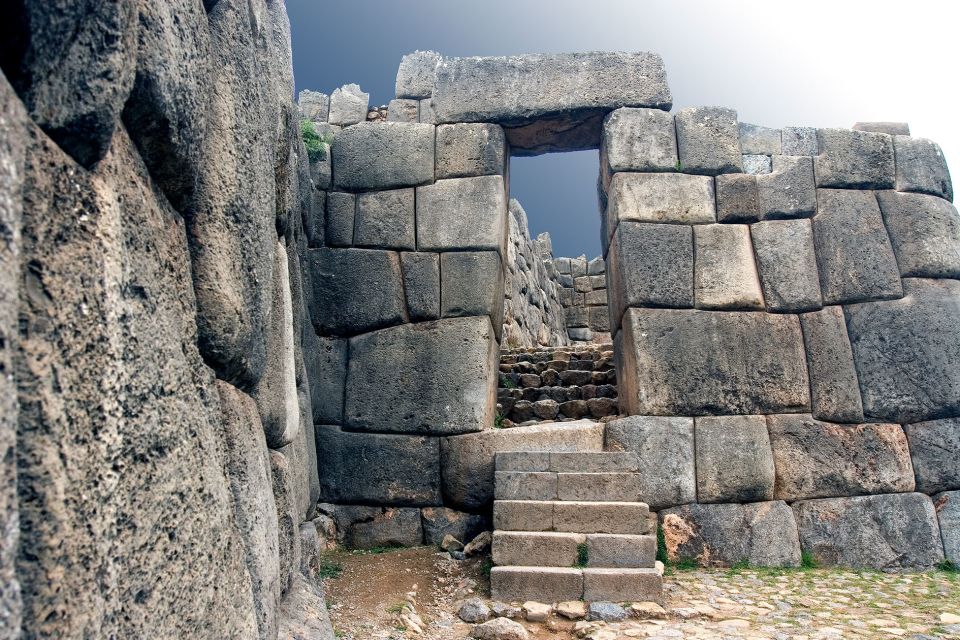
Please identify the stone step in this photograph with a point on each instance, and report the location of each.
(549, 485)
(571, 516)
(568, 462)
(557, 584)
(556, 549)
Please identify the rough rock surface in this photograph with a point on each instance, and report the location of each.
(725, 275)
(947, 505)
(664, 448)
(303, 613)
(834, 388)
(854, 159)
(787, 265)
(462, 213)
(639, 140)
(365, 527)
(921, 167)
(935, 449)
(659, 197)
(416, 74)
(763, 534)
(925, 234)
(384, 155)
(708, 141)
(734, 460)
(893, 531)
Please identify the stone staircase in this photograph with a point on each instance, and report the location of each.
(571, 526)
(556, 384)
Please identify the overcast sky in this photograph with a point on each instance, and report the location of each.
(824, 64)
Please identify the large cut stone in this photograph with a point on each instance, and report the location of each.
(467, 461)
(907, 352)
(366, 527)
(947, 505)
(383, 156)
(276, 391)
(854, 159)
(925, 234)
(421, 283)
(375, 468)
(789, 191)
(935, 449)
(471, 284)
(659, 197)
(288, 519)
(755, 139)
(416, 74)
(73, 66)
(817, 459)
(834, 388)
(466, 150)
(854, 266)
(787, 264)
(403, 111)
(738, 199)
(676, 362)
(341, 218)
(891, 531)
(651, 265)
(121, 465)
(734, 461)
(799, 141)
(248, 468)
(548, 102)
(348, 105)
(890, 128)
(432, 377)
(326, 364)
(921, 167)
(384, 220)
(664, 448)
(462, 213)
(355, 290)
(166, 113)
(638, 140)
(725, 276)
(762, 534)
(708, 140)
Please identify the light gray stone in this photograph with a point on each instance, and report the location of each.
(385, 220)
(314, 106)
(854, 159)
(834, 388)
(366, 527)
(651, 265)
(947, 505)
(431, 377)
(608, 550)
(427, 116)
(799, 141)
(787, 264)
(607, 611)
(691, 362)
(891, 128)
(738, 198)
(315, 219)
(465, 150)
(734, 460)
(708, 141)
(383, 155)
(755, 139)
(638, 585)
(664, 447)
(892, 531)
(288, 520)
(462, 213)
(725, 276)
(789, 191)
(763, 534)
(596, 267)
(341, 218)
(757, 164)
(524, 485)
(519, 584)
(906, 352)
(474, 610)
(660, 197)
(421, 283)
(854, 267)
(375, 468)
(402, 110)
(500, 629)
(467, 461)
(348, 105)
(631, 518)
(638, 140)
(557, 101)
(522, 461)
(817, 459)
(471, 284)
(355, 290)
(598, 487)
(303, 613)
(921, 167)
(416, 74)
(935, 449)
(276, 391)
(925, 234)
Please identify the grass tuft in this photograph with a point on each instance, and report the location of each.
(807, 560)
(583, 555)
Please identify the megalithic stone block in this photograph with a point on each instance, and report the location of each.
(708, 141)
(947, 505)
(734, 460)
(787, 265)
(854, 159)
(664, 448)
(466, 150)
(834, 388)
(348, 105)
(921, 167)
(416, 74)
(471, 284)
(659, 197)
(561, 98)
(384, 155)
(430, 377)
(638, 140)
(462, 214)
(385, 220)
(789, 190)
(935, 449)
(725, 275)
(925, 234)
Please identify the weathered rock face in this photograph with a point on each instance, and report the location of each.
(562, 98)
(664, 448)
(763, 534)
(947, 505)
(834, 388)
(894, 531)
(734, 460)
(934, 447)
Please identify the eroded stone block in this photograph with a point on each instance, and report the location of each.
(383, 155)
(401, 110)
(366, 527)
(787, 264)
(664, 448)
(789, 191)
(466, 150)
(462, 213)
(416, 74)
(925, 234)
(384, 220)
(854, 159)
(834, 388)
(348, 105)
(935, 449)
(921, 167)
(734, 460)
(639, 140)
(421, 283)
(708, 141)
(471, 284)
(799, 141)
(755, 139)
(341, 216)
(738, 198)
(947, 505)
(660, 197)
(725, 276)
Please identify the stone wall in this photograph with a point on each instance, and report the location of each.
(158, 469)
(584, 296)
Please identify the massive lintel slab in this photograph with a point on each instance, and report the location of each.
(548, 102)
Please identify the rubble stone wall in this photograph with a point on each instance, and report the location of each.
(158, 469)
